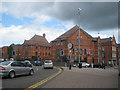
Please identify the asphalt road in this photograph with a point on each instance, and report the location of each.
(86, 78)
(26, 80)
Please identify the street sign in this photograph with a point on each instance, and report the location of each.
(77, 52)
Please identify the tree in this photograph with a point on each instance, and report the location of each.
(10, 50)
(34, 58)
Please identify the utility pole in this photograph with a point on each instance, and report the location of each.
(79, 36)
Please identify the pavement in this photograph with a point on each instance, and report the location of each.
(85, 78)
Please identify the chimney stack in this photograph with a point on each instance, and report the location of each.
(44, 35)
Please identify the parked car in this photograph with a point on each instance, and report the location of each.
(84, 64)
(14, 68)
(48, 64)
(99, 65)
(96, 65)
(37, 63)
(75, 65)
(27, 63)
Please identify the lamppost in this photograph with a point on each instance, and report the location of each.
(98, 49)
(79, 36)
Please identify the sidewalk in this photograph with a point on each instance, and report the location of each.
(85, 78)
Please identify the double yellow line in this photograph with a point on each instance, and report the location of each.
(43, 81)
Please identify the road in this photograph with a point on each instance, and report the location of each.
(85, 78)
(26, 81)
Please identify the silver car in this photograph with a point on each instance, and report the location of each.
(14, 68)
(48, 64)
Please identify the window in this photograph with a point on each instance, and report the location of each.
(56, 44)
(113, 48)
(61, 43)
(36, 47)
(40, 53)
(43, 53)
(81, 51)
(78, 58)
(36, 53)
(46, 48)
(46, 53)
(85, 52)
(19, 64)
(73, 51)
(98, 44)
(99, 52)
(77, 43)
(13, 53)
(49, 54)
(85, 59)
(103, 48)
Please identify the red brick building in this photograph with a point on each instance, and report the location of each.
(110, 50)
(5, 52)
(88, 46)
(118, 53)
(0, 52)
(37, 46)
(92, 50)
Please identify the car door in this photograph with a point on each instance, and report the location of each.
(16, 67)
(26, 68)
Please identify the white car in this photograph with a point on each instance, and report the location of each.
(48, 64)
(84, 64)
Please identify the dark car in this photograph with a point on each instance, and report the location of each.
(37, 63)
(99, 65)
(96, 65)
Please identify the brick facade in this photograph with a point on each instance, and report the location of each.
(37, 46)
(92, 50)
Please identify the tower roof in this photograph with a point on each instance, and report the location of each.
(36, 39)
(71, 32)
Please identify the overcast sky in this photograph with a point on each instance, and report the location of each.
(22, 20)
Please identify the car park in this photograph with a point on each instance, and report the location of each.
(14, 68)
(48, 64)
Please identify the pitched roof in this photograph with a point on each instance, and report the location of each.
(106, 39)
(71, 32)
(36, 39)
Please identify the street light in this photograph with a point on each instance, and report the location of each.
(79, 35)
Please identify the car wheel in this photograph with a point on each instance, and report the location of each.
(31, 72)
(12, 74)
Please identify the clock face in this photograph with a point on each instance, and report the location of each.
(70, 45)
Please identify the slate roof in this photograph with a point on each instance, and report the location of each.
(36, 39)
(70, 33)
(106, 39)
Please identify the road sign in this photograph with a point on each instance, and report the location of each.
(77, 52)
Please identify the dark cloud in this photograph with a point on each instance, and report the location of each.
(93, 16)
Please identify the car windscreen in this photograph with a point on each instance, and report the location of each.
(5, 63)
(48, 61)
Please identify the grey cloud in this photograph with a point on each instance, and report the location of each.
(93, 16)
